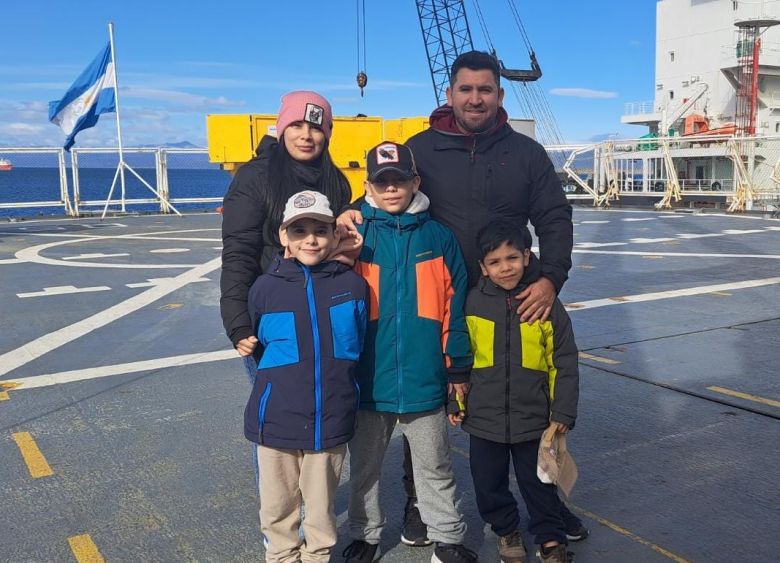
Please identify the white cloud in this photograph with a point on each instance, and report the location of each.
(583, 93)
(180, 101)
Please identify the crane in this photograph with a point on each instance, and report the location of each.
(446, 34)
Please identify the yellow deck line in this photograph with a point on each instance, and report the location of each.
(630, 535)
(586, 356)
(746, 396)
(85, 549)
(33, 457)
(4, 396)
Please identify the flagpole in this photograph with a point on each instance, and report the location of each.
(116, 105)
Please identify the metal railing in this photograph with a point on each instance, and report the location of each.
(79, 181)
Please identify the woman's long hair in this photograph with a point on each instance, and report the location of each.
(287, 176)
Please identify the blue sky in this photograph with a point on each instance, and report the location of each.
(180, 60)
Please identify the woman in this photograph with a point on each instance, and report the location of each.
(253, 208)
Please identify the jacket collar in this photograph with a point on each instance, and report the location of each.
(408, 220)
(442, 120)
(292, 270)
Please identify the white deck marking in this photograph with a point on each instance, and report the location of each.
(49, 379)
(169, 250)
(95, 255)
(53, 340)
(151, 282)
(742, 231)
(673, 254)
(598, 244)
(650, 240)
(698, 235)
(594, 222)
(11, 261)
(655, 296)
(62, 290)
(631, 219)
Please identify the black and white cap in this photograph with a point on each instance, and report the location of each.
(390, 156)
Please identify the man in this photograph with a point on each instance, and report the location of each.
(474, 168)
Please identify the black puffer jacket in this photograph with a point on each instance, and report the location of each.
(248, 244)
(471, 179)
(524, 376)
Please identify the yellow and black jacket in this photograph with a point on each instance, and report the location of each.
(524, 376)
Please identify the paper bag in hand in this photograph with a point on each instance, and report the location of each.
(554, 463)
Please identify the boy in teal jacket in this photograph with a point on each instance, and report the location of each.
(416, 347)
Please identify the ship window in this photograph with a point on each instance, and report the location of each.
(671, 94)
(777, 127)
(671, 55)
(735, 5)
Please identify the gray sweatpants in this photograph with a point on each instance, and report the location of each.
(433, 477)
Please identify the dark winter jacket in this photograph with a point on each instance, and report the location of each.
(417, 335)
(471, 179)
(524, 376)
(248, 243)
(310, 324)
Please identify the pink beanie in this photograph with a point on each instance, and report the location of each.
(304, 106)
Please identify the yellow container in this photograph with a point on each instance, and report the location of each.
(232, 140)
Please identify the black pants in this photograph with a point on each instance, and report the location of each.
(497, 505)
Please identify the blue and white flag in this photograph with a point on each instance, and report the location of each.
(90, 95)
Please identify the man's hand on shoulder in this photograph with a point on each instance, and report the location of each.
(536, 301)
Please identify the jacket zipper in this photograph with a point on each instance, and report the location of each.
(473, 149)
(506, 361)
(263, 405)
(398, 349)
(317, 367)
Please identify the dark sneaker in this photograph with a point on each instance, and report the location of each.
(576, 533)
(555, 554)
(414, 532)
(511, 548)
(361, 552)
(452, 553)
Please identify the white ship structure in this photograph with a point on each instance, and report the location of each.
(713, 129)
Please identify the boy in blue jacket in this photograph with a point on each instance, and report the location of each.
(416, 346)
(309, 315)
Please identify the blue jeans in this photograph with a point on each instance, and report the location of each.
(251, 373)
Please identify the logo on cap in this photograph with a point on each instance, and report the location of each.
(313, 114)
(386, 153)
(304, 200)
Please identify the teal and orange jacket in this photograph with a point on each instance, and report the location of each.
(417, 340)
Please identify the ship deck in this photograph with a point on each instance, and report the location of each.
(121, 403)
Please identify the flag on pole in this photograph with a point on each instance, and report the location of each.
(90, 95)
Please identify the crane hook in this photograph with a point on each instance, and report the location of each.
(362, 80)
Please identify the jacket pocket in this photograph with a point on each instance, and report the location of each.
(533, 346)
(346, 323)
(276, 333)
(481, 336)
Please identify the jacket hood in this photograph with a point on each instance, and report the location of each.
(419, 203)
(443, 120)
(532, 273)
(405, 221)
(265, 147)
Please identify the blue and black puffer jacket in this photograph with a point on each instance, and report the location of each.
(310, 324)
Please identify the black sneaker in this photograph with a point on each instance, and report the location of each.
(361, 552)
(452, 553)
(414, 532)
(577, 533)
